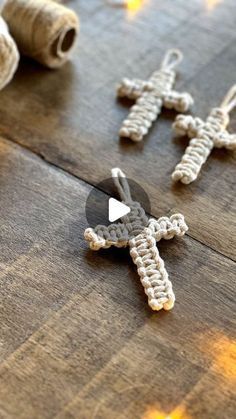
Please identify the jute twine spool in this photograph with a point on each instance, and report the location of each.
(43, 29)
(9, 56)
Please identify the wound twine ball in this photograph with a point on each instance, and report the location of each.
(42, 29)
(9, 56)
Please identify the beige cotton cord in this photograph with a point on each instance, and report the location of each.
(43, 29)
(141, 234)
(9, 56)
(151, 95)
(205, 136)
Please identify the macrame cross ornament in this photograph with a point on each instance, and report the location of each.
(205, 136)
(151, 95)
(141, 234)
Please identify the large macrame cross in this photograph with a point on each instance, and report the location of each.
(141, 234)
(150, 96)
(205, 136)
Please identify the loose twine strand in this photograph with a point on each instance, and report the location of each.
(229, 101)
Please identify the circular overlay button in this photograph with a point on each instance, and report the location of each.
(104, 205)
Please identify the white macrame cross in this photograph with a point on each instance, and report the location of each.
(205, 136)
(141, 234)
(150, 96)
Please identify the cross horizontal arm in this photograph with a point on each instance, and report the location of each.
(166, 228)
(105, 237)
(187, 125)
(181, 102)
(224, 139)
(133, 89)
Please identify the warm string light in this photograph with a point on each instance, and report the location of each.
(177, 413)
(211, 4)
(223, 365)
(134, 5)
(225, 357)
(153, 413)
(129, 4)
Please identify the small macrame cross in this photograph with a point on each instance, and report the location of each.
(205, 136)
(141, 234)
(150, 96)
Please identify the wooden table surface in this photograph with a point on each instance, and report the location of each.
(78, 340)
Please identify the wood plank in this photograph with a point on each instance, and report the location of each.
(71, 117)
(77, 336)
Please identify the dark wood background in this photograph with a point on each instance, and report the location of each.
(77, 339)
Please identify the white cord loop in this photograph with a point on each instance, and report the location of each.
(172, 58)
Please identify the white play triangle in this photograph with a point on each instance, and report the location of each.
(116, 210)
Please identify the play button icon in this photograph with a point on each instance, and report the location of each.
(104, 205)
(117, 210)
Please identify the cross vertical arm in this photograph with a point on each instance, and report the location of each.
(194, 157)
(152, 272)
(141, 117)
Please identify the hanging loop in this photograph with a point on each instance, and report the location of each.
(172, 58)
(121, 184)
(229, 101)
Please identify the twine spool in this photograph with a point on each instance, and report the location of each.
(43, 29)
(9, 56)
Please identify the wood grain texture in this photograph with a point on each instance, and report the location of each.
(71, 117)
(77, 337)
